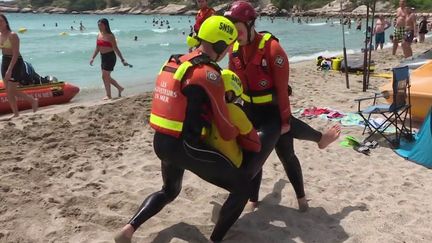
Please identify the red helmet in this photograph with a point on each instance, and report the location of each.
(241, 11)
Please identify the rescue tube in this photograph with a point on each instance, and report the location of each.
(421, 91)
(22, 30)
(47, 94)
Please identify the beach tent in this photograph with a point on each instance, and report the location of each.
(421, 91)
(418, 60)
(419, 151)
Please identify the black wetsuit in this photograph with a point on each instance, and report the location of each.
(284, 145)
(190, 153)
(285, 151)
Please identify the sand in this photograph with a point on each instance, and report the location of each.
(77, 173)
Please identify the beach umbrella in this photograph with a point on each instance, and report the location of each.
(344, 49)
(370, 46)
(368, 43)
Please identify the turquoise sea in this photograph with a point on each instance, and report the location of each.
(67, 56)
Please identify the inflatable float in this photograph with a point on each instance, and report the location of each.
(421, 91)
(47, 94)
(22, 30)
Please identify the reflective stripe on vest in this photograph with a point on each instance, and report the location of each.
(263, 98)
(165, 123)
(261, 45)
(257, 99)
(181, 70)
(170, 124)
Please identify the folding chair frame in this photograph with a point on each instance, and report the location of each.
(391, 118)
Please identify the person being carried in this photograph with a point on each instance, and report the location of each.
(106, 44)
(12, 67)
(247, 138)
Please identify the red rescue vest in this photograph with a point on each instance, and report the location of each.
(169, 103)
(257, 81)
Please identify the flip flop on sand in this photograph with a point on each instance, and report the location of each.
(352, 141)
(362, 149)
(371, 144)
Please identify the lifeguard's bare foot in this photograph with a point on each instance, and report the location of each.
(251, 206)
(303, 204)
(125, 235)
(9, 117)
(106, 98)
(329, 136)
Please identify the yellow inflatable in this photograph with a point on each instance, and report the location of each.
(64, 33)
(421, 91)
(22, 30)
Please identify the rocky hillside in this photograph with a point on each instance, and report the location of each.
(265, 7)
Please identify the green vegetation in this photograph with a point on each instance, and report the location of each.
(77, 5)
(302, 4)
(418, 4)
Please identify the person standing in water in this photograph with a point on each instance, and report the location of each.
(106, 44)
(204, 12)
(12, 67)
(379, 31)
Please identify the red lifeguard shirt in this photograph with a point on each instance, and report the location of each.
(202, 15)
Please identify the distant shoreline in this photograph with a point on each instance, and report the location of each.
(181, 10)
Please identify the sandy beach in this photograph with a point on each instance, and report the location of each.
(76, 173)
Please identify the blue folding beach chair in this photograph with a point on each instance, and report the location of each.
(395, 114)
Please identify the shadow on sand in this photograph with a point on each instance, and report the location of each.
(272, 222)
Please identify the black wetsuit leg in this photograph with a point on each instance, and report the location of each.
(269, 132)
(266, 121)
(285, 151)
(301, 130)
(256, 184)
(252, 165)
(178, 155)
(172, 181)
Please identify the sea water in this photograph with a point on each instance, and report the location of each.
(65, 53)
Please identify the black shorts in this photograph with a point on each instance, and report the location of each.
(17, 71)
(409, 36)
(108, 60)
